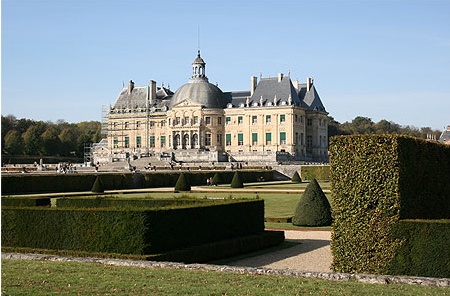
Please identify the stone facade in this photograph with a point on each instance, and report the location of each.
(276, 120)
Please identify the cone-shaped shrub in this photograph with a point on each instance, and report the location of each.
(236, 182)
(182, 184)
(296, 178)
(313, 208)
(217, 179)
(98, 186)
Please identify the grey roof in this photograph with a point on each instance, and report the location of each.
(268, 88)
(138, 97)
(312, 100)
(202, 92)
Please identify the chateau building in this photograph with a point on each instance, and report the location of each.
(276, 120)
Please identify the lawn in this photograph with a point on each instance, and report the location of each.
(23, 277)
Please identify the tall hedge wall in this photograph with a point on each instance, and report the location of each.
(376, 181)
(129, 231)
(50, 183)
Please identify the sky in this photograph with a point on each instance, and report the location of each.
(66, 59)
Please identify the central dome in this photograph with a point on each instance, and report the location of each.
(201, 92)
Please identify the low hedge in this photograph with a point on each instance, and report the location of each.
(318, 172)
(130, 231)
(425, 248)
(25, 202)
(110, 202)
(52, 183)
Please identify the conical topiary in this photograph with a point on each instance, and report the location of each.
(313, 208)
(236, 182)
(98, 186)
(296, 178)
(182, 184)
(217, 179)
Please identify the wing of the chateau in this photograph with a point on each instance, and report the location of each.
(277, 119)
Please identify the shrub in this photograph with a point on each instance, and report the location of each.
(236, 182)
(313, 208)
(296, 178)
(182, 184)
(98, 186)
(217, 179)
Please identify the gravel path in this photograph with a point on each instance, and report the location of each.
(313, 253)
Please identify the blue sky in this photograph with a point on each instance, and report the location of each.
(64, 59)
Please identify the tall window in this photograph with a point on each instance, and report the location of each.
(138, 142)
(254, 139)
(309, 122)
(115, 142)
(195, 119)
(240, 120)
(152, 141)
(282, 118)
(228, 139)
(254, 119)
(219, 139)
(227, 120)
(268, 138)
(138, 124)
(282, 138)
(219, 120)
(127, 142)
(208, 140)
(268, 119)
(187, 120)
(127, 125)
(309, 141)
(207, 120)
(163, 141)
(177, 120)
(240, 139)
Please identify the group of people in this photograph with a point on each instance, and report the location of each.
(65, 168)
(209, 182)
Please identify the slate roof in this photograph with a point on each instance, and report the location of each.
(138, 98)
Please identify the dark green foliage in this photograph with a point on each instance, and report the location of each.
(25, 202)
(425, 250)
(49, 183)
(296, 178)
(182, 184)
(313, 208)
(217, 179)
(236, 182)
(81, 202)
(98, 187)
(376, 181)
(130, 231)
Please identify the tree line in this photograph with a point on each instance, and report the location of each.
(62, 139)
(365, 125)
(26, 137)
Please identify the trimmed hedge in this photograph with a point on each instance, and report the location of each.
(127, 203)
(25, 202)
(53, 183)
(182, 184)
(319, 172)
(237, 182)
(130, 231)
(376, 181)
(422, 241)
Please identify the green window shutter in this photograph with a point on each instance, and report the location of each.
(241, 137)
(268, 136)
(254, 137)
(283, 136)
(282, 118)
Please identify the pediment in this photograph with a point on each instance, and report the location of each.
(187, 103)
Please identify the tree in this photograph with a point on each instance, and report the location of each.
(98, 187)
(236, 182)
(13, 143)
(31, 141)
(50, 141)
(313, 208)
(67, 138)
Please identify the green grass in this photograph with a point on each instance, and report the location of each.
(23, 277)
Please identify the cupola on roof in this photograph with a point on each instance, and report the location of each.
(198, 89)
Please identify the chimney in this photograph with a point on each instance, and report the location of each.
(309, 83)
(253, 83)
(152, 92)
(280, 77)
(130, 86)
(295, 84)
